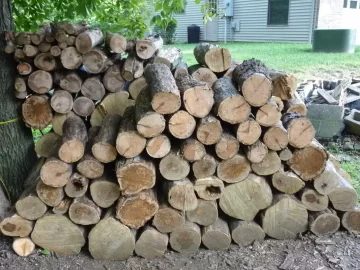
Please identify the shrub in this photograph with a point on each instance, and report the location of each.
(168, 34)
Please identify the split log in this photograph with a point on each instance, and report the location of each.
(36, 112)
(29, 206)
(71, 58)
(287, 181)
(181, 194)
(344, 196)
(295, 105)
(209, 130)
(24, 68)
(73, 140)
(70, 81)
(313, 200)
(10, 47)
(285, 154)
(234, 170)
(309, 162)
(248, 132)
(181, 124)
(49, 195)
(93, 88)
(133, 68)
(88, 40)
(62, 101)
(149, 123)
(44, 31)
(44, 47)
(115, 42)
(245, 199)
(158, 147)
(301, 131)
(350, 221)
(227, 147)
(70, 40)
(30, 50)
(46, 144)
(40, 81)
(192, 149)
(204, 167)
(96, 61)
(328, 180)
(46, 62)
(23, 38)
(76, 186)
(16, 226)
(215, 58)
(284, 85)
(48, 229)
(230, 106)
(105, 191)
(324, 222)
(174, 166)
(76, 28)
(134, 211)
(151, 243)
(112, 80)
(146, 48)
(198, 98)
(217, 235)
(252, 77)
(55, 51)
(244, 233)
(170, 57)
(256, 152)
(161, 83)
(276, 137)
(270, 164)
(269, 114)
(63, 206)
(136, 86)
(111, 240)
(203, 74)
(209, 188)
(285, 218)
(186, 239)
(167, 219)
(205, 214)
(181, 70)
(83, 106)
(84, 211)
(23, 246)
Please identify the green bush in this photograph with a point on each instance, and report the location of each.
(168, 34)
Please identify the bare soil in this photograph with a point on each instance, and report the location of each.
(339, 251)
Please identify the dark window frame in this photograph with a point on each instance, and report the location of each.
(356, 4)
(269, 15)
(345, 4)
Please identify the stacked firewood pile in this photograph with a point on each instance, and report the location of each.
(208, 154)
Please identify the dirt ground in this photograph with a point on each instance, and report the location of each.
(339, 251)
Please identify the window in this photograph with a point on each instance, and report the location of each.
(345, 3)
(278, 12)
(353, 4)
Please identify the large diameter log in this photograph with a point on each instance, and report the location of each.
(170, 57)
(287, 182)
(104, 148)
(209, 188)
(93, 88)
(134, 211)
(181, 194)
(158, 147)
(205, 214)
(23, 246)
(105, 191)
(49, 195)
(181, 124)
(248, 132)
(83, 106)
(151, 243)
(40, 81)
(62, 101)
(30, 50)
(209, 130)
(36, 112)
(269, 114)
(234, 170)
(24, 68)
(45, 61)
(84, 211)
(313, 201)
(115, 42)
(88, 40)
(328, 180)
(217, 235)
(276, 138)
(165, 94)
(70, 81)
(173, 166)
(215, 58)
(230, 106)
(132, 68)
(57, 233)
(252, 77)
(146, 48)
(71, 58)
(256, 152)
(324, 222)
(285, 218)
(244, 233)
(167, 219)
(245, 199)
(203, 74)
(73, 140)
(295, 105)
(270, 164)
(16, 226)
(186, 239)
(204, 167)
(62, 207)
(192, 149)
(136, 86)
(309, 162)
(301, 131)
(96, 61)
(227, 147)
(77, 186)
(350, 221)
(344, 196)
(112, 80)
(29, 206)
(284, 85)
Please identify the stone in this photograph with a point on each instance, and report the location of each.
(357, 146)
(352, 122)
(348, 146)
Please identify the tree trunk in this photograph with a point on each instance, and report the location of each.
(215, 58)
(71, 58)
(136, 86)
(105, 191)
(227, 147)
(170, 57)
(96, 61)
(40, 82)
(203, 74)
(350, 221)
(77, 186)
(324, 222)
(244, 233)
(295, 105)
(181, 124)
(217, 235)
(205, 214)
(49, 195)
(158, 147)
(151, 243)
(204, 167)
(313, 201)
(344, 196)
(248, 132)
(115, 42)
(133, 68)
(186, 239)
(234, 170)
(276, 137)
(63, 206)
(209, 130)
(93, 88)
(174, 166)
(256, 152)
(269, 114)
(36, 111)
(112, 80)
(181, 194)
(84, 211)
(192, 149)
(146, 48)
(88, 40)
(62, 101)
(284, 85)
(16, 226)
(287, 182)
(83, 106)
(209, 188)
(23, 246)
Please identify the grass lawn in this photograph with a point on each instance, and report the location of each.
(296, 58)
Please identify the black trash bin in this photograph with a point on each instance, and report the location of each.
(193, 33)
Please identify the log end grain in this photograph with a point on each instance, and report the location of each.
(244, 233)
(158, 147)
(209, 188)
(234, 170)
(248, 132)
(351, 221)
(168, 219)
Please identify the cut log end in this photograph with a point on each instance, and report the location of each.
(158, 147)
(313, 200)
(71, 151)
(217, 235)
(198, 101)
(186, 239)
(130, 144)
(165, 102)
(151, 243)
(168, 219)
(244, 233)
(209, 188)
(248, 132)
(182, 125)
(234, 109)
(23, 246)
(218, 59)
(324, 223)
(205, 214)
(259, 84)
(151, 125)
(234, 170)
(104, 152)
(351, 221)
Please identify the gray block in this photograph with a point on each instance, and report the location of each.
(352, 122)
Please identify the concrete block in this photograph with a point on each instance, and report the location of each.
(352, 122)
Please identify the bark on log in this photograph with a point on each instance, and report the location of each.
(22, 38)
(112, 80)
(62, 101)
(105, 191)
(170, 57)
(137, 86)
(60, 35)
(96, 61)
(186, 239)
(217, 235)
(10, 47)
(328, 180)
(344, 196)
(16, 226)
(71, 58)
(203, 74)
(276, 137)
(115, 42)
(324, 222)
(93, 88)
(36, 112)
(173, 166)
(256, 152)
(192, 149)
(158, 147)
(146, 48)
(313, 201)
(284, 85)
(44, 31)
(233, 65)
(227, 147)
(287, 182)
(44, 47)
(350, 221)
(133, 68)
(181, 70)
(40, 81)
(209, 188)
(205, 214)
(181, 194)
(46, 62)
(70, 40)
(181, 124)
(70, 81)
(285, 154)
(205, 167)
(49, 195)
(23, 246)
(269, 114)
(19, 55)
(151, 243)
(76, 28)
(63, 206)
(245, 199)
(295, 105)
(234, 170)
(83, 106)
(24, 68)
(270, 164)
(84, 211)
(55, 51)
(209, 130)
(77, 186)
(30, 50)
(244, 233)
(335, 162)
(248, 132)
(88, 40)
(215, 58)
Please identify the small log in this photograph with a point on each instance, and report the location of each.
(76, 186)
(344, 196)
(174, 166)
(134, 211)
(217, 235)
(63, 45)
(295, 105)
(83, 106)
(62, 101)
(350, 221)
(149, 123)
(23, 38)
(309, 162)
(45, 61)
(203, 74)
(133, 68)
(46, 144)
(21, 95)
(209, 130)
(245, 199)
(186, 239)
(284, 85)
(204, 167)
(44, 47)
(30, 50)
(76, 28)
(55, 51)
(60, 35)
(270, 164)
(44, 31)
(181, 194)
(205, 214)
(230, 106)
(165, 94)
(269, 114)
(151, 243)
(181, 124)
(313, 200)
(287, 181)
(115, 42)
(96, 61)
(209, 188)
(71, 58)
(16, 226)
(181, 70)
(136, 86)
(158, 147)
(328, 180)
(24, 68)
(10, 47)
(146, 48)
(324, 222)
(192, 149)
(301, 131)
(276, 137)
(89, 39)
(23, 246)
(245, 233)
(167, 219)
(93, 88)
(215, 58)
(285, 154)
(40, 81)
(19, 55)
(227, 147)
(234, 170)
(170, 57)
(256, 152)
(36, 112)
(70, 40)
(84, 211)
(105, 191)
(20, 84)
(285, 218)
(49, 195)
(63, 206)
(58, 122)
(29, 206)
(248, 132)
(70, 81)
(48, 229)
(112, 80)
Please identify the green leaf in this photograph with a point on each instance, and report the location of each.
(45, 252)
